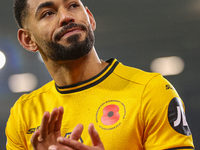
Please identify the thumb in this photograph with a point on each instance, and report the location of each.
(96, 141)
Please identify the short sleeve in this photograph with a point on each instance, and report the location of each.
(164, 117)
(12, 131)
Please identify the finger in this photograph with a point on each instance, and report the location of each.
(59, 119)
(76, 133)
(59, 147)
(72, 144)
(34, 138)
(44, 126)
(96, 141)
(53, 147)
(52, 120)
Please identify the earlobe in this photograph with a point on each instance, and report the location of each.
(26, 41)
(91, 17)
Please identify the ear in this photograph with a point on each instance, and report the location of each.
(91, 17)
(26, 40)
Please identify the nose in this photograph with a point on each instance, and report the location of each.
(65, 17)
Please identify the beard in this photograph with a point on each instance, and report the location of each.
(76, 50)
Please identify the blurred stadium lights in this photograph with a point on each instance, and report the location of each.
(22, 82)
(2, 60)
(167, 66)
(195, 6)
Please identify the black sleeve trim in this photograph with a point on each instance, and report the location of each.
(181, 148)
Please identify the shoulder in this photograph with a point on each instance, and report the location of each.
(156, 90)
(15, 126)
(36, 93)
(135, 75)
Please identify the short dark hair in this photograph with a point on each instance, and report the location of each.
(20, 11)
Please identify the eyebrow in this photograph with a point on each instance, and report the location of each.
(43, 5)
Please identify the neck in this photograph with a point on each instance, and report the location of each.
(75, 71)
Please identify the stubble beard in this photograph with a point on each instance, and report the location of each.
(76, 50)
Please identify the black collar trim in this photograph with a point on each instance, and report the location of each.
(90, 82)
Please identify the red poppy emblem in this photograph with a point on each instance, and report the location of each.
(110, 115)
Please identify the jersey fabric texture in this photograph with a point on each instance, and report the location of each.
(131, 110)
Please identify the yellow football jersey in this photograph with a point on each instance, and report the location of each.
(131, 110)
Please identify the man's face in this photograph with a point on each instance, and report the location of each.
(61, 28)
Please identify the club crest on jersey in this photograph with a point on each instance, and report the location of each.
(110, 114)
(177, 117)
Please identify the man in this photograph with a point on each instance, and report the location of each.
(122, 107)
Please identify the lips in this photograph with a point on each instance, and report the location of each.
(69, 29)
(69, 32)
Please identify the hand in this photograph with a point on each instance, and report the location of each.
(49, 130)
(70, 144)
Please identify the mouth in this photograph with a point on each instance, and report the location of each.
(68, 33)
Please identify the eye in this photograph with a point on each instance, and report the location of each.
(46, 14)
(74, 5)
